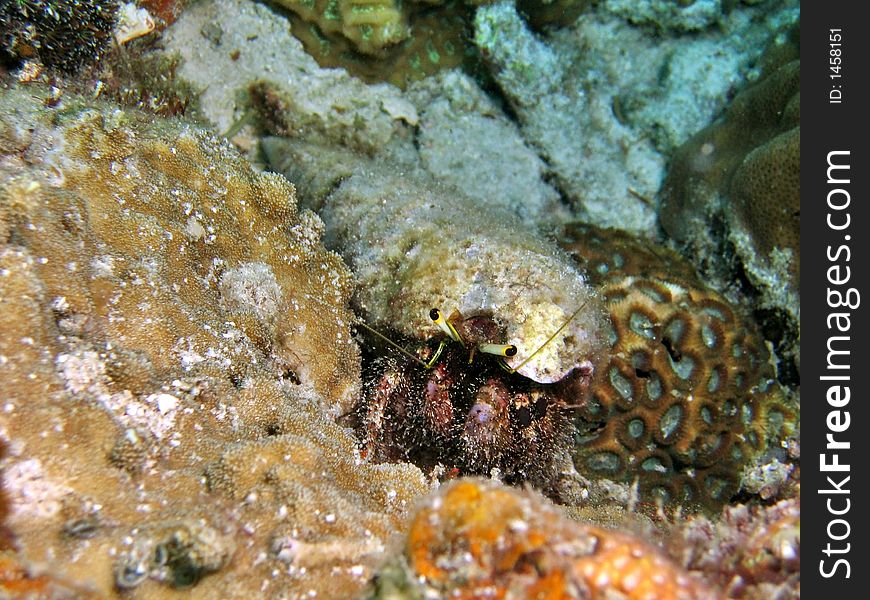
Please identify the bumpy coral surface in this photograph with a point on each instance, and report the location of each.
(687, 396)
(744, 169)
(172, 335)
(370, 25)
(476, 538)
(753, 552)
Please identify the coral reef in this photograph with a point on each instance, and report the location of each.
(742, 171)
(688, 395)
(605, 102)
(172, 338)
(415, 247)
(461, 129)
(476, 538)
(62, 34)
(752, 552)
(680, 15)
(18, 581)
(243, 42)
(619, 168)
(403, 42)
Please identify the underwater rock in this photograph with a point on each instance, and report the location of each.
(255, 45)
(605, 102)
(607, 171)
(465, 140)
(476, 538)
(168, 321)
(366, 119)
(414, 246)
(674, 85)
(687, 397)
(742, 174)
(681, 15)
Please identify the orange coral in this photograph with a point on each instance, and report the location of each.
(688, 394)
(478, 538)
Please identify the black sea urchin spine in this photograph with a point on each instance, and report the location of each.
(62, 34)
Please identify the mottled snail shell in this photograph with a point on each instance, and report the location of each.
(414, 245)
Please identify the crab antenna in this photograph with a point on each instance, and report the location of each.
(393, 344)
(444, 325)
(549, 339)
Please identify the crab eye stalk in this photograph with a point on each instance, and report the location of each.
(444, 325)
(506, 350)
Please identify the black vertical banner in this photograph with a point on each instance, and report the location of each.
(835, 299)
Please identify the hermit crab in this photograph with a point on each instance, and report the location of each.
(455, 406)
(480, 388)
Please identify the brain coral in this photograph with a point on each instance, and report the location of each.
(688, 395)
(477, 538)
(172, 335)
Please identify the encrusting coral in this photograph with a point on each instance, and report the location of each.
(688, 395)
(172, 338)
(477, 538)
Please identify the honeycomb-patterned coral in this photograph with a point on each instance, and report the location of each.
(687, 396)
(611, 253)
(480, 539)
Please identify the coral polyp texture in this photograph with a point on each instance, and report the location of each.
(687, 397)
(173, 338)
(370, 25)
(477, 538)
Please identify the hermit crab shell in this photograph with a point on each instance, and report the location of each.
(414, 246)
